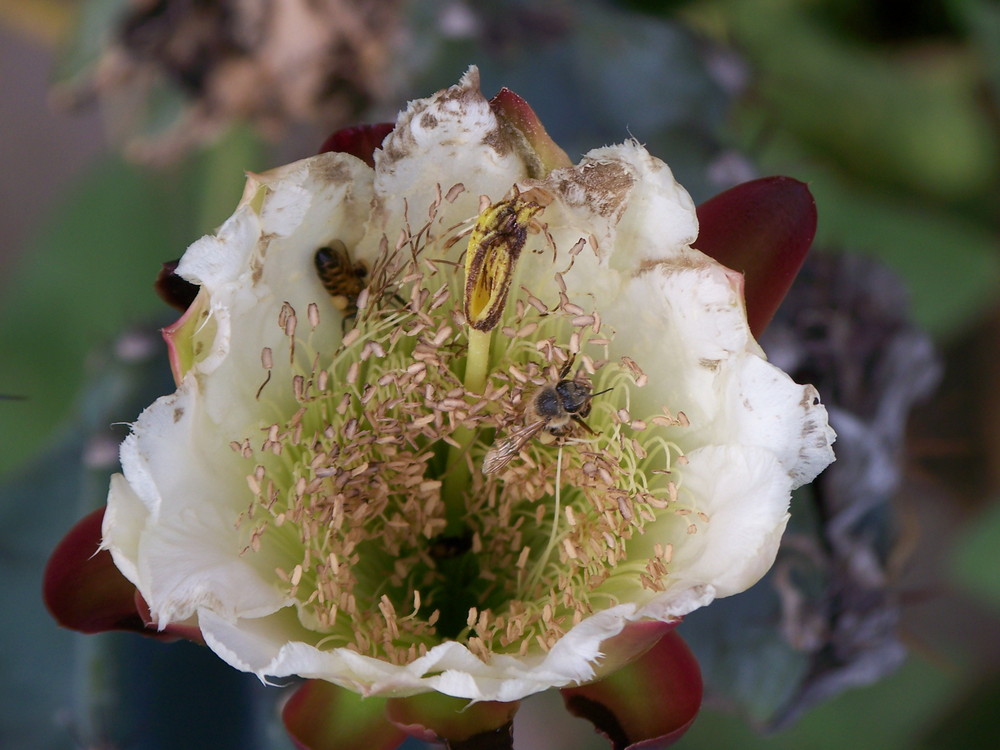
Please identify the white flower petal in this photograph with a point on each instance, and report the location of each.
(217, 259)
(658, 222)
(452, 137)
(262, 646)
(784, 417)
(628, 209)
(744, 492)
(124, 519)
(251, 269)
(187, 552)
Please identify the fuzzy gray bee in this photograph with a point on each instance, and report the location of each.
(554, 408)
(342, 279)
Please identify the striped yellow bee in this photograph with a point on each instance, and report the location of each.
(343, 279)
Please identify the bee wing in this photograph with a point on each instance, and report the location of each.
(504, 451)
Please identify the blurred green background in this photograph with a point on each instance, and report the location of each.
(889, 109)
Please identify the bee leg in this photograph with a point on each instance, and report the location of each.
(348, 318)
(579, 420)
(567, 367)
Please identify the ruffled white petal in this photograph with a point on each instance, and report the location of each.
(744, 492)
(259, 261)
(658, 221)
(173, 529)
(784, 417)
(267, 647)
(262, 646)
(124, 519)
(450, 138)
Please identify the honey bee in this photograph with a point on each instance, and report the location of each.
(342, 279)
(553, 408)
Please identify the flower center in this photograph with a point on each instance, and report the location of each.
(403, 504)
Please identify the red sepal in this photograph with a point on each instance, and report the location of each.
(360, 141)
(322, 716)
(647, 704)
(543, 154)
(173, 632)
(83, 589)
(763, 229)
(457, 722)
(176, 291)
(635, 639)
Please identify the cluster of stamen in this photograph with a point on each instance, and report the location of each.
(353, 495)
